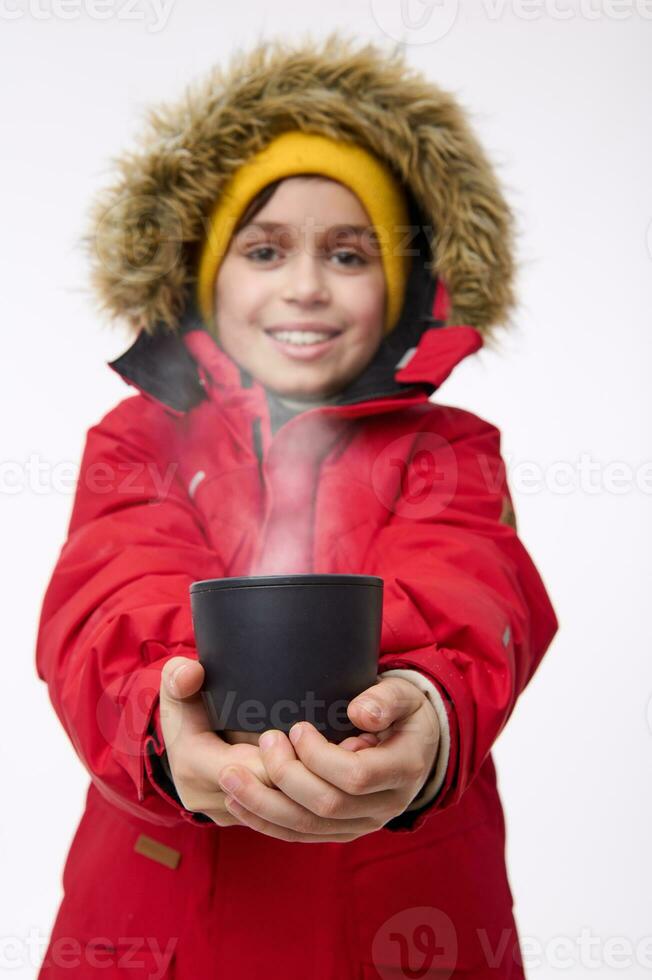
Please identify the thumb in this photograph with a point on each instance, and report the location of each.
(182, 677)
(181, 703)
(384, 703)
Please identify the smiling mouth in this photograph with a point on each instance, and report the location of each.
(303, 336)
(303, 345)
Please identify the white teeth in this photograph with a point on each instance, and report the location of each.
(301, 336)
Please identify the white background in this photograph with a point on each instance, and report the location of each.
(559, 95)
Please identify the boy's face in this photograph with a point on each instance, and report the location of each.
(303, 273)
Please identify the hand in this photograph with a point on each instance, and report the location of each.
(353, 743)
(323, 793)
(197, 754)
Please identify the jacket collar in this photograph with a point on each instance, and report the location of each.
(415, 358)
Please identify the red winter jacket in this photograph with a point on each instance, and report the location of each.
(186, 480)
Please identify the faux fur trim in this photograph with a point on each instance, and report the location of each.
(145, 228)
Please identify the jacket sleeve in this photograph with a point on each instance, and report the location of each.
(464, 605)
(117, 606)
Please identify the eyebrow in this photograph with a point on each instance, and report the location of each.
(274, 225)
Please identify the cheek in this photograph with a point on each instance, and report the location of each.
(367, 301)
(369, 313)
(237, 302)
(362, 346)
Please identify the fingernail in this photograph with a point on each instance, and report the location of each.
(371, 708)
(267, 740)
(230, 781)
(295, 734)
(369, 737)
(174, 677)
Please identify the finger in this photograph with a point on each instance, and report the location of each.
(212, 804)
(249, 756)
(210, 761)
(370, 738)
(257, 823)
(183, 711)
(222, 817)
(181, 704)
(277, 807)
(311, 792)
(355, 742)
(274, 807)
(183, 676)
(208, 802)
(387, 766)
(206, 755)
(393, 698)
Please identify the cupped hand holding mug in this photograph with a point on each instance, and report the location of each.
(197, 754)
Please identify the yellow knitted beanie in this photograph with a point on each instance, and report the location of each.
(296, 152)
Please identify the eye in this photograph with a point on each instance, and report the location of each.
(257, 251)
(350, 254)
(257, 255)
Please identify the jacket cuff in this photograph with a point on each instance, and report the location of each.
(168, 772)
(437, 774)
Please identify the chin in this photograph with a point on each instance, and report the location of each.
(307, 392)
(302, 395)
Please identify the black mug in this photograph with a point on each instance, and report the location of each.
(278, 649)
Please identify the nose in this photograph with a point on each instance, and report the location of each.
(306, 282)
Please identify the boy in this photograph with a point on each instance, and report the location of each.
(257, 444)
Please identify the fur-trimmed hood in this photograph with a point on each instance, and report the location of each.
(146, 228)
